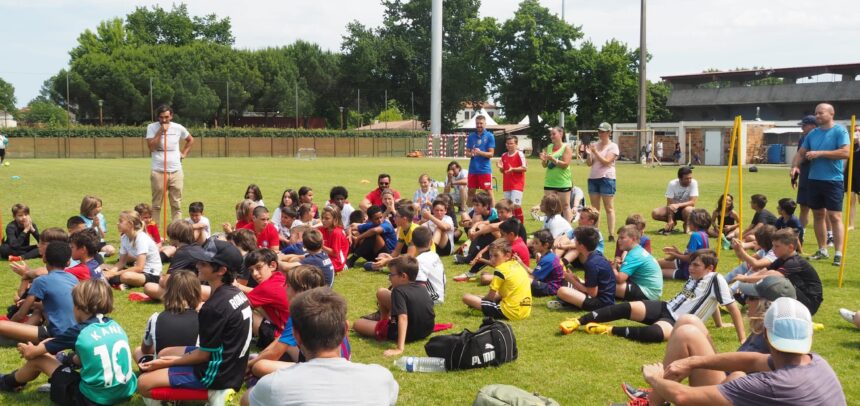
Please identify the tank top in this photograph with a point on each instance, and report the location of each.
(557, 177)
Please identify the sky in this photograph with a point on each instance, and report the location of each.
(684, 36)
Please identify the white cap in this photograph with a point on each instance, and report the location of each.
(789, 326)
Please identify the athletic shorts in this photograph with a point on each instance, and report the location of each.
(2, 152)
(65, 388)
(682, 270)
(824, 194)
(657, 310)
(803, 192)
(601, 186)
(678, 215)
(492, 309)
(445, 250)
(515, 196)
(385, 330)
(267, 334)
(480, 181)
(634, 293)
(541, 289)
(591, 304)
(43, 333)
(150, 278)
(557, 189)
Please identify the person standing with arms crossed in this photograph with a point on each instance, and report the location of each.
(162, 138)
(480, 147)
(825, 148)
(601, 180)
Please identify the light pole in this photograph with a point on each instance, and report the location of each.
(561, 113)
(341, 117)
(101, 118)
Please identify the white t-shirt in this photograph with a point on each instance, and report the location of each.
(431, 270)
(681, 194)
(206, 230)
(3, 141)
(450, 222)
(325, 382)
(557, 225)
(659, 149)
(143, 244)
(700, 297)
(175, 133)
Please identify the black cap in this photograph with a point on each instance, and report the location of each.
(808, 120)
(225, 254)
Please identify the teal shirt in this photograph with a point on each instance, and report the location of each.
(644, 271)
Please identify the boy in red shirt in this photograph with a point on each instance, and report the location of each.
(268, 299)
(509, 229)
(513, 167)
(267, 234)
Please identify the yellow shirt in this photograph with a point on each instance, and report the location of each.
(512, 282)
(405, 236)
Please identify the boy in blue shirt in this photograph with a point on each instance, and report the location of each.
(639, 276)
(598, 289)
(677, 264)
(101, 345)
(54, 290)
(313, 243)
(372, 238)
(548, 275)
(786, 207)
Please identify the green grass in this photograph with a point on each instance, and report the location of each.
(575, 369)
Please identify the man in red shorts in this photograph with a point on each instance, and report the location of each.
(480, 147)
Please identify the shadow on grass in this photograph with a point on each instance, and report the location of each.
(851, 345)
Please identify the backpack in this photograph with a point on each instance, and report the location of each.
(493, 344)
(507, 395)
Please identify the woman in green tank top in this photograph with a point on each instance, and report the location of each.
(556, 159)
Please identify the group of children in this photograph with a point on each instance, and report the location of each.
(221, 292)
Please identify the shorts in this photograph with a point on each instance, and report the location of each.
(150, 278)
(480, 181)
(634, 293)
(557, 189)
(657, 310)
(492, 309)
(183, 376)
(591, 304)
(541, 289)
(515, 196)
(385, 330)
(824, 194)
(601, 186)
(266, 334)
(65, 388)
(2, 152)
(43, 333)
(445, 250)
(678, 215)
(682, 270)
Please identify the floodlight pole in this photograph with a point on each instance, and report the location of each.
(436, 68)
(643, 84)
(561, 113)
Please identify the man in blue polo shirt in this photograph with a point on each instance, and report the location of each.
(825, 148)
(480, 147)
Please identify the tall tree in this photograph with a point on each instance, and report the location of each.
(536, 62)
(607, 85)
(7, 96)
(175, 27)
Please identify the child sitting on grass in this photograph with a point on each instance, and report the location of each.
(510, 296)
(555, 222)
(264, 230)
(138, 249)
(598, 289)
(335, 243)
(761, 217)
(509, 232)
(144, 211)
(786, 207)
(676, 264)
(730, 221)
(176, 326)
(406, 311)
(372, 238)
(431, 271)
(244, 216)
(313, 244)
(253, 193)
(565, 246)
(268, 298)
(702, 293)
(199, 222)
(639, 276)
(479, 224)
(16, 240)
(423, 198)
(441, 226)
(85, 247)
(91, 213)
(761, 260)
(101, 346)
(548, 275)
(54, 291)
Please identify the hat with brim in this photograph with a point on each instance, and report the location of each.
(808, 120)
(789, 326)
(604, 126)
(770, 288)
(225, 254)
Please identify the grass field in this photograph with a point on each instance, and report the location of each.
(575, 369)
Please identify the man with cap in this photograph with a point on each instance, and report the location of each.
(789, 375)
(801, 180)
(824, 148)
(225, 333)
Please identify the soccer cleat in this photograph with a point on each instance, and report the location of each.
(598, 329)
(634, 393)
(611, 238)
(465, 277)
(459, 259)
(632, 402)
(846, 314)
(138, 297)
(820, 254)
(837, 260)
(663, 231)
(556, 304)
(568, 326)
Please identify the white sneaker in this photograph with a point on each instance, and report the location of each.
(847, 315)
(555, 304)
(464, 277)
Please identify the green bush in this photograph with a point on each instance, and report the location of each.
(125, 131)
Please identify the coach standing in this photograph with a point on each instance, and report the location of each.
(480, 147)
(825, 147)
(169, 172)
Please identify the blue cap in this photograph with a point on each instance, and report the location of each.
(808, 120)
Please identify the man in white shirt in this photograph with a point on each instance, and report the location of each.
(167, 162)
(681, 197)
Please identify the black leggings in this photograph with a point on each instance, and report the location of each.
(655, 311)
(477, 245)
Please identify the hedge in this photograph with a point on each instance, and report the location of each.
(239, 132)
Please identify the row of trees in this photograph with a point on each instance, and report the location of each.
(533, 64)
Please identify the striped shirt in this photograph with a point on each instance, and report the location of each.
(699, 297)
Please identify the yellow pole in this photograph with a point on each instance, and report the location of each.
(848, 203)
(739, 122)
(726, 186)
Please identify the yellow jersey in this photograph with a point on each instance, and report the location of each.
(512, 282)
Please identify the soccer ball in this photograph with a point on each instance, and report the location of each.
(7, 163)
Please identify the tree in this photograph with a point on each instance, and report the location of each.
(535, 61)
(7, 96)
(176, 27)
(44, 112)
(658, 95)
(608, 84)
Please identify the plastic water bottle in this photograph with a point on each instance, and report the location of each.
(420, 364)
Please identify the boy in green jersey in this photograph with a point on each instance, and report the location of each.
(101, 348)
